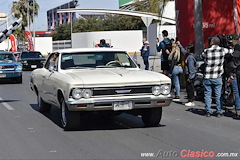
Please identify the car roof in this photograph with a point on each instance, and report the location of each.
(4, 52)
(102, 49)
(31, 52)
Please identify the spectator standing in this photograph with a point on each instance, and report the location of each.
(233, 70)
(165, 46)
(145, 50)
(175, 70)
(214, 59)
(190, 69)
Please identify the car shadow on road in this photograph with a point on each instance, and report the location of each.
(96, 121)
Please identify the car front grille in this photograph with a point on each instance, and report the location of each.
(10, 67)
(132, 90)
(34, 62)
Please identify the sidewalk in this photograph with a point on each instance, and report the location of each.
(154, 62)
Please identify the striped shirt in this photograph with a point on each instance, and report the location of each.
(214, 59)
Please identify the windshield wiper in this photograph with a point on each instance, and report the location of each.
(76, 67)
(103, 66)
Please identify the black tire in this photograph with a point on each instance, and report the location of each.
(18, 79)
(43, 106)
(70, 120)
(152, 117)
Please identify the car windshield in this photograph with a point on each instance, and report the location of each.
(31, 55)
(7, 57)
(96, 60)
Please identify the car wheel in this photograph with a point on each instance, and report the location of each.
(70, 120)
(152, 117)
(43, 106)
(19, 79)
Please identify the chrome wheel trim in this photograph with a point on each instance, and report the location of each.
(39, 101)
(64, 118)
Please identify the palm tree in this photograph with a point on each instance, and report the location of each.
(157, 6)
(20, 10)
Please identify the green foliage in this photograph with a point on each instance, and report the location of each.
(109, 23)
(20, 9)
(152, 6)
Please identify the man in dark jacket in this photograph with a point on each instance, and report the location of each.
(145, 53)
(165, 47)
(233, 69)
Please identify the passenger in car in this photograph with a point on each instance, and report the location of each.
(54, 61)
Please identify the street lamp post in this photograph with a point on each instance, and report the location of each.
(33, 25)
(71, 27)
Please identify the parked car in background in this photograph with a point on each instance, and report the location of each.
(32, 59)
(82, 81)
(9, 67)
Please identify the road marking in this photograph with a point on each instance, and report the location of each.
(6, 105)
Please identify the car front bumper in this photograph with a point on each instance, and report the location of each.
(137, 102)
(10, 74)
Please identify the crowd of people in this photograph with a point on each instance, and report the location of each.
(217, 61)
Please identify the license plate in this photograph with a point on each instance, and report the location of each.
(122, 106)
(2, 75)
(33, 66)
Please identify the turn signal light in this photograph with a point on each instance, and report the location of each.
(160, 102)
(82, 105)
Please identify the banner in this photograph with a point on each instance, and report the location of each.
(30, 41)
(217, 18)
(13, 42)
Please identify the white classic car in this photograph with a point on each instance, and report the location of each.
(99, 79)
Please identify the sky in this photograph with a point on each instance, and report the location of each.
(45, 5)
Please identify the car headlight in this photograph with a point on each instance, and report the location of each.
(87, 93)
(156, 90)
(77, 93)
(165, 89)
(19, 67)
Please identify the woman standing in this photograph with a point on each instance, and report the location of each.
(175, 69)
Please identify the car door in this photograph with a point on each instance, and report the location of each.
(49, 81)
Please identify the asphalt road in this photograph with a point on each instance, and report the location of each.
(27, 134)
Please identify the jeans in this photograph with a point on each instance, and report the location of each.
(190, 89)
(216, 85)
(146, 63)
(236, 92)
(176, 73)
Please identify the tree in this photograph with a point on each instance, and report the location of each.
(109, 23)
(152, 6)
(20, 10)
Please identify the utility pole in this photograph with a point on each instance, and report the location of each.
(28, 21)
(198, 28)
(34, 25)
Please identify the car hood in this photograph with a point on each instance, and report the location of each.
(116, 77)
(30, 59)
(5, 63)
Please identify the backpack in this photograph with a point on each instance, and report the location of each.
(167, 45)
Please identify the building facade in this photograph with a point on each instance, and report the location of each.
(54, 19)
